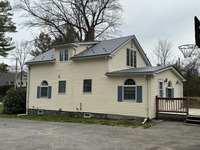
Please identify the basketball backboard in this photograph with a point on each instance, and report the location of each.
(197, 31)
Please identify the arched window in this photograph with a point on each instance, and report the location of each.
(44, 83)
(169, 84)
(129, 82)
(129, 89)
(44, 89)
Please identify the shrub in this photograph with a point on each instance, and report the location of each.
(15, 101)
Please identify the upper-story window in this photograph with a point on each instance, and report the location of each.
(132, 44)
(64, 55)
(131, 58)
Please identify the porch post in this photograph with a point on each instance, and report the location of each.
(187, 107)
(156, 106)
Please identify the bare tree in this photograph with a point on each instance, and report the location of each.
(91, 19)
(21, 53)
(162, 51)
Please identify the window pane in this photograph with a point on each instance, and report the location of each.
(61, 55)
(87, 85)
(127, 57)
(129, 82)
(44, 91)
(62, 87)
(44, 83)
(161, 93)
(169, 92)
(66, 55)
(132, 58)
(135, 59)
(129, 93)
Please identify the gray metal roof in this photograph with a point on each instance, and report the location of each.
(103, 48)
(99, 49)
(139, 71)
(45, 57)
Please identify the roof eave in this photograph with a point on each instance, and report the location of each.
(73, 44)
(127, 74)
(40, 62)
(89, 57)
(174, 69)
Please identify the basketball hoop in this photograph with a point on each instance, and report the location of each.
(187, 49)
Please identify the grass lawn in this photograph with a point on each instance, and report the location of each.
(108, 122)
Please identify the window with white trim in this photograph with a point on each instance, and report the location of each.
(129, 90)
(44, 89)
(62, 87)
(64, 55)
(160, 88)
(131, 58)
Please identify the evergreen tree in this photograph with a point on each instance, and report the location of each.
(6, 26)
(3, 68)
(42, 44)
(70, 35)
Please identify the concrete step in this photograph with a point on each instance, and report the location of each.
(193, 119)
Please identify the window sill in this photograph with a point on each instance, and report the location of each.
(43, 98)
(129, 101)
(61, 93)
(87, 93)
(63, 61)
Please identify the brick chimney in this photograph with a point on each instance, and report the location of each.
(90, 36)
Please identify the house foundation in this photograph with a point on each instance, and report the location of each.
(81, 114)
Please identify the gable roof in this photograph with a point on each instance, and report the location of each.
(43, 58)
(102, 48)
(145, 71)
(98, 49)
(6, 78)
(108, 47)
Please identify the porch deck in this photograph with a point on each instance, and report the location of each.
(195, 112)
(176, 109)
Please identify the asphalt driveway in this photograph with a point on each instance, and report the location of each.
(18, 134)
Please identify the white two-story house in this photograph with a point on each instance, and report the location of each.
(111, 77)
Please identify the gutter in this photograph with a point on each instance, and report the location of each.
(40, 62)
(89, 57)
(126, 73)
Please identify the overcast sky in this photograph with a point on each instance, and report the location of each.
(148, 20)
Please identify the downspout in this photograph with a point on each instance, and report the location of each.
(147, 106)
(107, 58)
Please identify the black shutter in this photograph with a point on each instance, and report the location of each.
(139, 94)
(119, 93)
